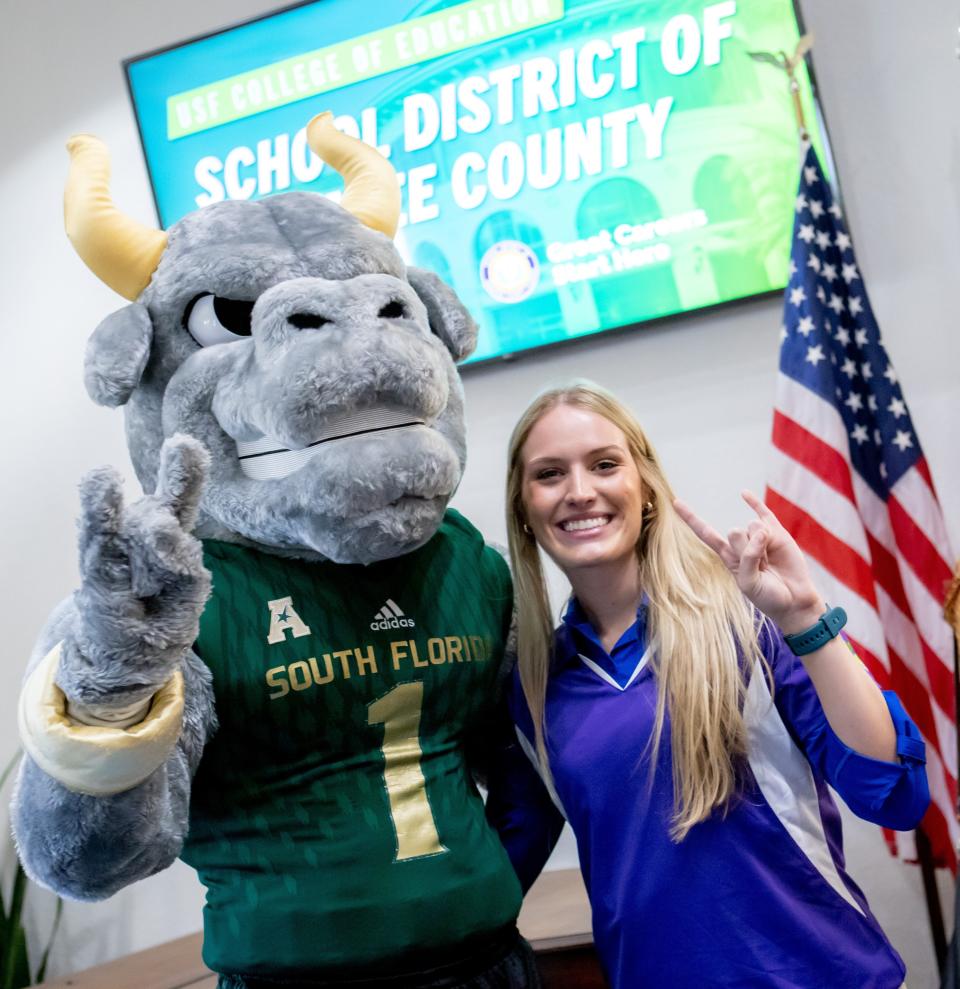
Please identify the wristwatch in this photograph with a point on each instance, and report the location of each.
(826, 627)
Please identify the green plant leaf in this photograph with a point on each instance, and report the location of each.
(21, 964)
(42, 970)
(13, 934)
(11, 765)
(8, 939)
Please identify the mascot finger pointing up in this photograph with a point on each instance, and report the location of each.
(281, 662)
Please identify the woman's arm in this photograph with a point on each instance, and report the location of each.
(770, 570)
(893, 794)
(519, 806)
(852, 701)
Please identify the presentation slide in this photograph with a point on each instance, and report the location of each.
(568, 166)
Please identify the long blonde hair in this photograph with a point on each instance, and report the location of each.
(701, 629)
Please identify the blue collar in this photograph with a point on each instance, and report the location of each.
(577, 637)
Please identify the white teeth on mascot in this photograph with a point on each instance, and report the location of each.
(267, 459)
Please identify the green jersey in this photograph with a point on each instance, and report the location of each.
(333, 819)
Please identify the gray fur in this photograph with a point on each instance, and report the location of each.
(448, 318)
(87, 848)
(117, 354)
(359, 499)
(300, 253)
(143, 583)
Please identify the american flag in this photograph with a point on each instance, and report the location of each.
(850, 482)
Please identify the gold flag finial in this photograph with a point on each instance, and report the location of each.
(789, 64)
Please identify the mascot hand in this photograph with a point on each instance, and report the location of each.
(143, 583)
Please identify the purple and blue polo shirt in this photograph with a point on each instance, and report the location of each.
(756, 897)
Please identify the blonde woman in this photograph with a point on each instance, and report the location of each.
(709, 843)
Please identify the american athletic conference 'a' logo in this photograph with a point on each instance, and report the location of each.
(390, 616)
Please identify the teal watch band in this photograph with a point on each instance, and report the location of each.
(826, 627)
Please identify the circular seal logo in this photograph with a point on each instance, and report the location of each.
(509, 271)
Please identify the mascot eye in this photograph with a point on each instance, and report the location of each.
(210, 319)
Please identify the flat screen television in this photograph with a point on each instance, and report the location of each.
(568, 166)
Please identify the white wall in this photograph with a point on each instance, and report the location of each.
(702, 386)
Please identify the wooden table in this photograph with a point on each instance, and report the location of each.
(555, 919)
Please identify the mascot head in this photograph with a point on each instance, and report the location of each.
(289, 338)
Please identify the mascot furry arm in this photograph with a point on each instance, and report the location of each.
(290, 391)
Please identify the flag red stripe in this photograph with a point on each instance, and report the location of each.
(916, 699)
(850, 569)
(922, 556)
(890, 837)
(887, 573)
(924, 471)
(941, 680)
(833, 554)
(818, 457)
(834, 470)
(824, 461)
(836, 556)
(878, 671)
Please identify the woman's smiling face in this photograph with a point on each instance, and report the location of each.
(582, 493)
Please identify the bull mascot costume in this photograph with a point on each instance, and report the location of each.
(294, 413)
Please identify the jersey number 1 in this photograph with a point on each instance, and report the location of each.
(399, 712)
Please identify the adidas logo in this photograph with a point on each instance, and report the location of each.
(390, 616)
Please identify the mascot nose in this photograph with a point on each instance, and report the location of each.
(307, 320)
(394, 308)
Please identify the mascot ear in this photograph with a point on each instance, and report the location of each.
(117, 354)
(449, 318)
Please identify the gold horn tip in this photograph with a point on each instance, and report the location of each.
(81, 142)
(121, 252)
(371, 191)
(320, 125)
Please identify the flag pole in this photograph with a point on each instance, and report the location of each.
(931, 893)
(950, 963)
